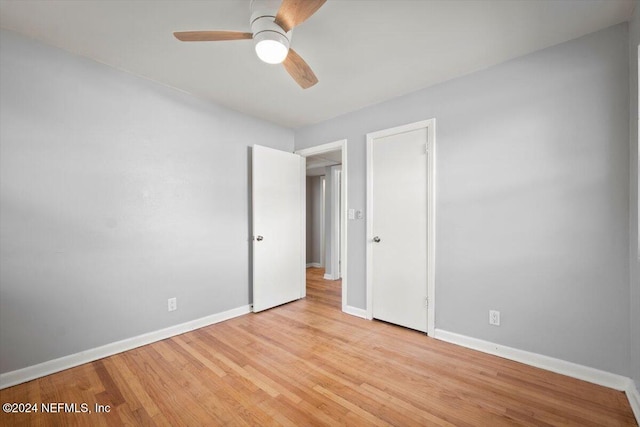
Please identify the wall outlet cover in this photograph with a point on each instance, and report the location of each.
(494, 317)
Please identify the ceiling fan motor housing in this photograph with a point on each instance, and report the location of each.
(263, 27)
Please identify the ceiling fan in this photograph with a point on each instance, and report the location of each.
(271, 32)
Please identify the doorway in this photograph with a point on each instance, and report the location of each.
(326, 247)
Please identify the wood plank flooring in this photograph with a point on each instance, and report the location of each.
(307, 363)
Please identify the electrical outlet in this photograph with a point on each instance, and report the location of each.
(494, 317)
(172, 304)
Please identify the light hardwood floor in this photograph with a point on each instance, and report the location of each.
(307, 363)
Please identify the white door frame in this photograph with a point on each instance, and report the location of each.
(336, 210)
(430, 126)
(325, 148)
(303, 229)
(323, 219)
(334, 227)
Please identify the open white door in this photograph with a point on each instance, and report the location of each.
(277, 192)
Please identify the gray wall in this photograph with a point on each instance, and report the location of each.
(532, 198)
(314, 219)
(116, 193)
(634, 240)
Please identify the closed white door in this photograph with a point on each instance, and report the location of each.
(398, 227)
(278, 245)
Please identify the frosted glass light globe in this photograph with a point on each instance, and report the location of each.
(271, 51)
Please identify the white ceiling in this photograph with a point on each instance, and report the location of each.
(363, 52)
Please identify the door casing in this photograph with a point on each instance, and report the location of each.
(336, 209)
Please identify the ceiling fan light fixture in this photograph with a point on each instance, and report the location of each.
(272, 23)
(271, 47)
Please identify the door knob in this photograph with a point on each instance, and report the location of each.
(259, 238)
(376, 239)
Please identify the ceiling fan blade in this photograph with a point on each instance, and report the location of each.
(211, 36)
(299, 70)
(294, 12)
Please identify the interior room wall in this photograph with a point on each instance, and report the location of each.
(532, 199)
(116, 193)
(634, 240)
(314, 220)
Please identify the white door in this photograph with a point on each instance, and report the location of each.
(398, 228)
(278, 245)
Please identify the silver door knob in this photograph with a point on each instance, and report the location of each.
(259, 238)
(376, 239)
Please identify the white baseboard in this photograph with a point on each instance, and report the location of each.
(328, 277)
(585, 373)
(52, 366)
(634, 399)
(358, 312)
(314, 265)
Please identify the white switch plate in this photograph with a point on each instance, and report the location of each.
(494, 317)
(172, 304)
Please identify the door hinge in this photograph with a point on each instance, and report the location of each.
(426, 302)
(426, 149)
